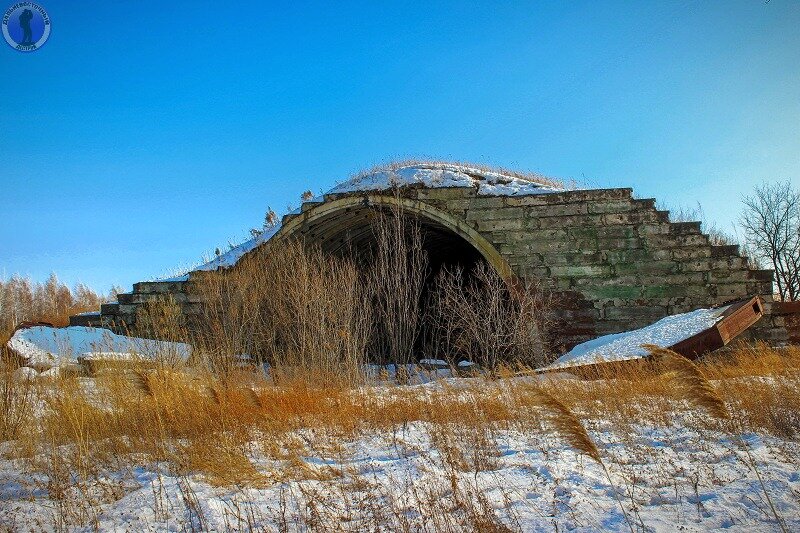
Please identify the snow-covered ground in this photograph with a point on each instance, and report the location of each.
(684, 475)
(667, 479)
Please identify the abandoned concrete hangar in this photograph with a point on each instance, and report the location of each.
(612, 261)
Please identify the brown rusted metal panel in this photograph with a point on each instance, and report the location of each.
(739, 317)
(707, 340)
(735, 320)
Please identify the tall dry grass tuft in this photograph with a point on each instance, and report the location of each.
(162, 319)
(295, 308)
(570, 428)
(689, 379)
(565, 423)
(697, 389)
(761, 384)
(16, 402)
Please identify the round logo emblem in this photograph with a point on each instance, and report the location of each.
(26, 26)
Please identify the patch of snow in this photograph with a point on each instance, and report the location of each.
(109, 356)
(443, 176)
(412, 374)
(89, 313)
(628, 345)
(182, 277)
(47, 346)
(233, 255)
(433, 362)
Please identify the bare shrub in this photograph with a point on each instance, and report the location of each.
(396, 280)
(477, 316)
(294, 307)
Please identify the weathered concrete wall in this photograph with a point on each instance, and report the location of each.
(614, 262)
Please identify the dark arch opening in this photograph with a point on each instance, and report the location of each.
(350, 233)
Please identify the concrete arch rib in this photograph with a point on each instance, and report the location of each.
(349, 206)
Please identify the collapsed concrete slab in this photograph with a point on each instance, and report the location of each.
(44, 347)
(690, 334)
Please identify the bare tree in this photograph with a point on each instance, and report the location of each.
(771, 223)
(22, 299)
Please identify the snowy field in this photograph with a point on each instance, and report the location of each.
(684, 475)
(441, 454)
(184, 450)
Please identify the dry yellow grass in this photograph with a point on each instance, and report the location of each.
(690, 381)
(146, 411)
(565, 423)
(214, 426)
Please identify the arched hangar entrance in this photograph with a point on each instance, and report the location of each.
(348, 227)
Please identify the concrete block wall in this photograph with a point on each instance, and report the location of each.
(121, 316)
(614, 262)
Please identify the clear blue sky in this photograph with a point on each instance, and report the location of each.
(143, 135)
